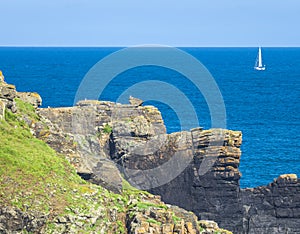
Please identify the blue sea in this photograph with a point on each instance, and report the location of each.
(263, 105)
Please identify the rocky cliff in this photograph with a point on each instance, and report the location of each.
(40, 192)
(196, 170)
(137, 142)
(274, 208)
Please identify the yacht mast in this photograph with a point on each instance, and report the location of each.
(259, 57)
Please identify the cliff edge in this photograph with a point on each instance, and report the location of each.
(107, 141)
(41, 192)
(134, 137)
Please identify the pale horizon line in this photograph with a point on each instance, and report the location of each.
(178, 46)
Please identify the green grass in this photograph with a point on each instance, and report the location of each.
(127, 187)
(34, 178)
(107, 129)
(30, 169)
(146, 205)
(26, 109)
(121, 228)
(150, 220)
(176, 219)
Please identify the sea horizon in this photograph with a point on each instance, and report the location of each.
(136, 45)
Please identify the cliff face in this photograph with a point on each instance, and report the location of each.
(40, 192)
(214, 195)
(135, 138)
(102, 131)
(103, 139)
(274, 208)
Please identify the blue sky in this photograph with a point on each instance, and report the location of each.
(134, 22)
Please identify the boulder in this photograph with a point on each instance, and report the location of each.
(7, 92)
(209, 225)
(107, 175)
(31, 97)
(7, 95)
(13, 220)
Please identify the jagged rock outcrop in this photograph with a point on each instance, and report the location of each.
(274, 208)
(31, 97)
(214, 194)
(157, 219)
(90, 124)
(66, 204)
(13, 220)
(104, 139)
(7, 95)
(207, 162)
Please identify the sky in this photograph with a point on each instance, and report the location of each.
(135, 22)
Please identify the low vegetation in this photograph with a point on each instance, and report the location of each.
(34, 178)
(30, 169)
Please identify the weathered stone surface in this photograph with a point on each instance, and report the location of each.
(274, 208)
(2, 110)
(13, 220)
(31, 97)
(60, 141)
(159, 218)
(98, 128)
(82, 123)
(207, 185)
(7, 92)
(87, 135)
(1, 77)
(107, 175)
(7, 95)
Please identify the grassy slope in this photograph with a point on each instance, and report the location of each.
(34, 178)
(30, 169)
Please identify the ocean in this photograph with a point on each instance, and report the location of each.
(264, 105)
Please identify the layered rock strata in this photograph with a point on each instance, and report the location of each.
(204, 175)
(196, 170)
(90, 149)
(274, 208)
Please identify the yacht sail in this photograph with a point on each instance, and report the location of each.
(258, 64)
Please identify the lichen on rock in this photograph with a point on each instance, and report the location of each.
(1, 76)
(31, 97)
